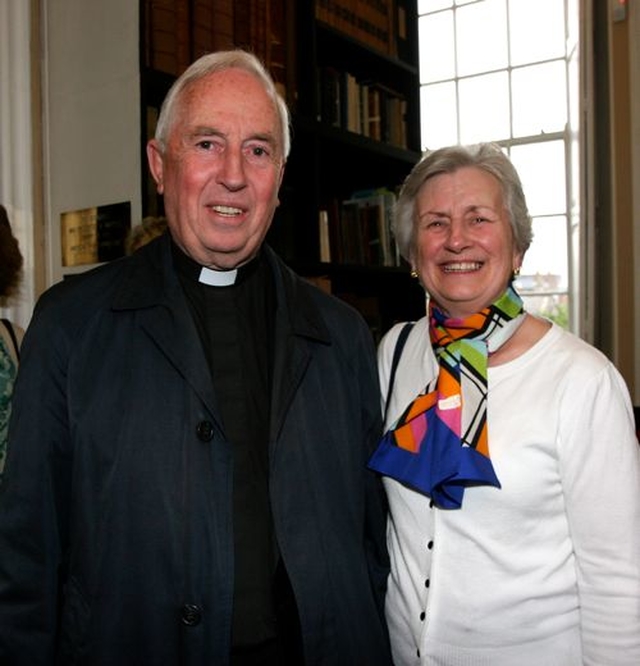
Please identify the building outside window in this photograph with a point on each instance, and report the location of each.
(507, 71)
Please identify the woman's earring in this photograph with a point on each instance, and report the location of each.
(414, 273)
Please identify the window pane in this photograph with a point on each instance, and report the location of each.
(481, 49)
(515, 76)
(437, 58)
(542, 171)
(438, 115)
(574, 91)
(552, 306)
(545, 265)
(484, 108)
(425, 6)
(539, 98)
(573, 24)
(537, 30)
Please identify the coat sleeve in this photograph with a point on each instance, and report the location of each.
(600, 463)
(34, 498)
(376, 505)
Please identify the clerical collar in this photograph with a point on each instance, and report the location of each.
(195, 272)
(217, 278)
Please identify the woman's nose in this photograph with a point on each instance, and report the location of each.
(458, 237)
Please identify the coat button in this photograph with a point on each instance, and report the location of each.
(191, 615)
(204, 431)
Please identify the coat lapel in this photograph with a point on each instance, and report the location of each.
(299, 329)
(155, 292)
(153, 289)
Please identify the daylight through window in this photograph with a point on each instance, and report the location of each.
(506, 71)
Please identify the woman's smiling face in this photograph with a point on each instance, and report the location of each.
(464, 250)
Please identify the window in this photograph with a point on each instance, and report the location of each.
(505, 71)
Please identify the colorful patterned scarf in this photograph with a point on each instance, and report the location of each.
(439, 445)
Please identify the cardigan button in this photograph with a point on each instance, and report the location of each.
(204, 431)
(191, 615)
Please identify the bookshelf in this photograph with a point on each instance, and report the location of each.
(349, 71)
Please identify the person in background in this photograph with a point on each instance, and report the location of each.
(509, 459)
(147, 230)
(186, 480)
(10, 333)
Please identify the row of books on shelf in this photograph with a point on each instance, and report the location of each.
(378, 24)
(178, 32)
(363, 107)
(358, 230)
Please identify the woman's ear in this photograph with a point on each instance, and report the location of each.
(516, 264)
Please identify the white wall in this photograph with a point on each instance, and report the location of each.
(91, 100)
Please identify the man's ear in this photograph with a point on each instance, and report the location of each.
(280, 178)
(156, 163)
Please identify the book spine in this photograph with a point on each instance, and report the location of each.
(368, 21)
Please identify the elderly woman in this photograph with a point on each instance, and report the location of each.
(510, 458)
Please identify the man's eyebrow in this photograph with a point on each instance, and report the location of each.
(267, 137)
(205, 130)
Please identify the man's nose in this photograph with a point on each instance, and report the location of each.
(232, 174)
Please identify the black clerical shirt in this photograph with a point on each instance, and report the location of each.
(236, 324)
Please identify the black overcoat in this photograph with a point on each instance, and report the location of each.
(116, 530)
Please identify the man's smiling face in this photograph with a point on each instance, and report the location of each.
(221, 169)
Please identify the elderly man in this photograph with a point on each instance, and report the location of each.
(186, 480)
